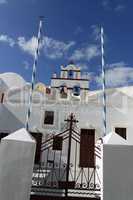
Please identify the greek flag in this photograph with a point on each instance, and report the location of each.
(103, 81)
(33, 75)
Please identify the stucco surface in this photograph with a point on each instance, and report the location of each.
(16, 166)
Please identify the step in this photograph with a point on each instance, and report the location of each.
(39, 197)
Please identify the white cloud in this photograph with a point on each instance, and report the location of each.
(120, 8)
(7, 39)
(82, 65)
(109, 5)
(78, 30)
(86, 53)
(117, 64)
(55, 49)
(117, 75)
(106, 4)
(77, 55)
(87, 75)
(26, 65)
(3, 1)
(95, 32)
(28, 46)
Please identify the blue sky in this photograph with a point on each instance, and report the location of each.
(71, 32)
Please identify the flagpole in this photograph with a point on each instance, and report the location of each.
(28, 115)
(103, 82)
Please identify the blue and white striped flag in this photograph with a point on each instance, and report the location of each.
(103, 81)
(34, 74)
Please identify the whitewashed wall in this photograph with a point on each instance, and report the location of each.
(117, 172)
(89, 115)
(17, 153)
(69, 83)
(88, 110)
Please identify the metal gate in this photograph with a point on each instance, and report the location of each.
(60, 175)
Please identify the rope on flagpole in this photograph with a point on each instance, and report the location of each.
(103, 81)
(34, 74)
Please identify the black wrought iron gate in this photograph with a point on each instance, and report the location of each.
(59, 175)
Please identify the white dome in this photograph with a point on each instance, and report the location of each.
(12, 80)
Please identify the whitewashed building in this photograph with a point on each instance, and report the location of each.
(68, 93)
